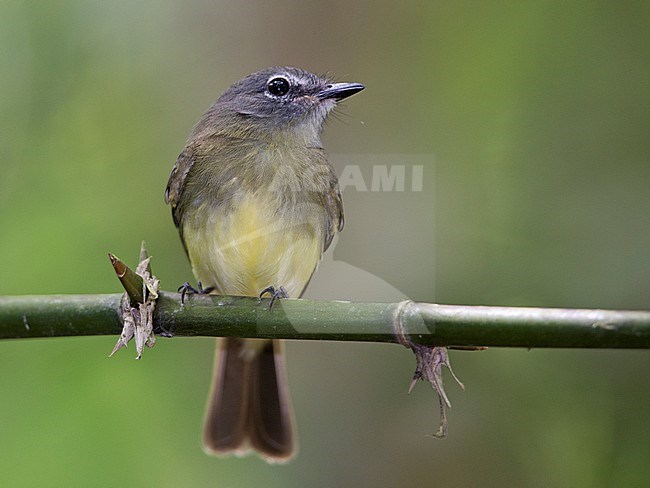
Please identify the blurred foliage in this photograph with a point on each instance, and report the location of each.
(534, 117)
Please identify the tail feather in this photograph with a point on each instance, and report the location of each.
(249, 407)
(272, 429)
(226, 420)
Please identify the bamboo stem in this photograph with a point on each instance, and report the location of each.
(423, 323)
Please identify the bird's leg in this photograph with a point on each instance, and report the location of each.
(275, 294)
(187, 289)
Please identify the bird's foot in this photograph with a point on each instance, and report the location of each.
(275, 294)
(187, 289)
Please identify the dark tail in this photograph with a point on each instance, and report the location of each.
(249, 407)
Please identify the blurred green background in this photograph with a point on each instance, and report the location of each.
(535, 120)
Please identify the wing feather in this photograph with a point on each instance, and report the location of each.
(177, 178)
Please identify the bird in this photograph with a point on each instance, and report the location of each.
(257, 203)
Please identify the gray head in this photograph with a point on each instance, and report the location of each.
(280, 98)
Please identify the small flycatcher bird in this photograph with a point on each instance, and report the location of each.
(257, 203)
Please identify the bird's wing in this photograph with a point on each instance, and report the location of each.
(179, 173)
(335, 217)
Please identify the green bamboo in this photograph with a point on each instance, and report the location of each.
(59, 315)
(133, 283)
(423, 323)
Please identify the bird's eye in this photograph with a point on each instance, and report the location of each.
(278, 87)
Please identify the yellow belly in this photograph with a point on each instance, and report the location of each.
(252, 246)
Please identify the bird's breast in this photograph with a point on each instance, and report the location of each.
(255, 243)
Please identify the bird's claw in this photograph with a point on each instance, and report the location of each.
(275, 294)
